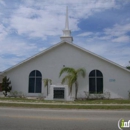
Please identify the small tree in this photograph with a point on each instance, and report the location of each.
(6, 85)
(46, 82)
(72, 77)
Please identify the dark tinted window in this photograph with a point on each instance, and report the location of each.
(99, 85)
(92, 73)
(32, 74)
(38, 73)
(98, 73)
(35, 81)
(92, 85)
(95, 82)
(31, 85)
(38, 85)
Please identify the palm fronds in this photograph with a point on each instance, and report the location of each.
(82, 72)
(46, 81)
(66, 79)
(67, 70)
(71, 77)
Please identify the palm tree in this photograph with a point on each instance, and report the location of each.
(72, 77)
(46, 82)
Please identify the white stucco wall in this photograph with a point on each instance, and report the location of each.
(51, 62)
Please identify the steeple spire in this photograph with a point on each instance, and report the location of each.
(67, 22)
(66, 32)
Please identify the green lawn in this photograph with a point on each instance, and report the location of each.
(104, 101)
(10, 102)
(63, 106)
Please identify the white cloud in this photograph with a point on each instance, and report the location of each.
(86, 34)
(18, 48)
(14, 51)
(41, 49)
(121, 39)
(38, 23)
(47, 18)
(8, 62)
(3, 32)
(2, 2)
(118, 33)
(118, 29)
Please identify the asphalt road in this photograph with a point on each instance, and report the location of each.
(54, 119)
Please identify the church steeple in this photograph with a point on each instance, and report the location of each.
(66, 22)
(66, 32)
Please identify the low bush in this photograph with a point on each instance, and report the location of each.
(105, 95)
(16, 94)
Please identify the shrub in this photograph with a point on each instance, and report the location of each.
(6, 85)
(105, 95)
(17, 94)
(40, 96)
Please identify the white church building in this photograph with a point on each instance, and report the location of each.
(102, 75)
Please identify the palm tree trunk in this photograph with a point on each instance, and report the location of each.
(76, 89)
(47, 90)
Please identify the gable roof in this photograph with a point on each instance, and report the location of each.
(58, 44)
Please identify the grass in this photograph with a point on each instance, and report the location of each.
(63, 106)
(88, 101)
(105, 101)
(18, 99)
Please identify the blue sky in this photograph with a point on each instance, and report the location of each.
(30, 26)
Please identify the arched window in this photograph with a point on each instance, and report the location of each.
(35, 81)
(95, 82)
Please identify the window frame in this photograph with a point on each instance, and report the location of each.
(96, 77)
(35, 81)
